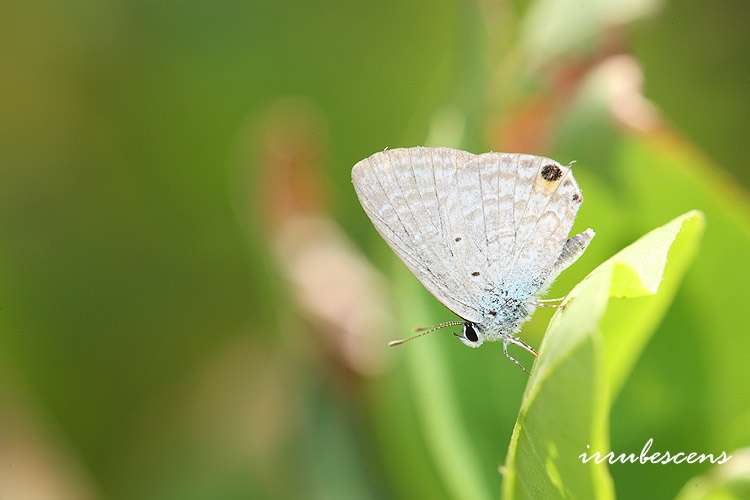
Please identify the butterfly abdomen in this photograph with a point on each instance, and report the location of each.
(505, 312)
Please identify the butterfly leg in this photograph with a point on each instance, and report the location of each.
(550, 302)
(523, 345)
(507, 355)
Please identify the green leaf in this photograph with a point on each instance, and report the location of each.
(728, 481)
(588, 350)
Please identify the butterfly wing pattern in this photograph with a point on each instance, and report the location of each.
(485, 234)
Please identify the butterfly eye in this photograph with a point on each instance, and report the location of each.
(470, 333)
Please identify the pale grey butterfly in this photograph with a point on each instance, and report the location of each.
(485, 234)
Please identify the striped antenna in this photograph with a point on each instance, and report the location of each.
(424, 331)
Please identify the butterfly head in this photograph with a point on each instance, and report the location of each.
(471, 335)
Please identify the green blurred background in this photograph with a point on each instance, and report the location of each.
(194, 306)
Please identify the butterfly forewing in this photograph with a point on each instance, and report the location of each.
(468, 263)
(426, 251)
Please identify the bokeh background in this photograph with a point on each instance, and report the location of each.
(194, 306)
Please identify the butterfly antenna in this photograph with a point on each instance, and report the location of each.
(424, 331)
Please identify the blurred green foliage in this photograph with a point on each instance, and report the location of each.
(155, 343)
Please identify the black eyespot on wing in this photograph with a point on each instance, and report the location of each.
(470, 333)
(551, 173)
(576, 197)
(458, 238)
(475, 273)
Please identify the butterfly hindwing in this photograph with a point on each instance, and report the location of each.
(551, 210)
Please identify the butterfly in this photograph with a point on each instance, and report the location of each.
(486, 234)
